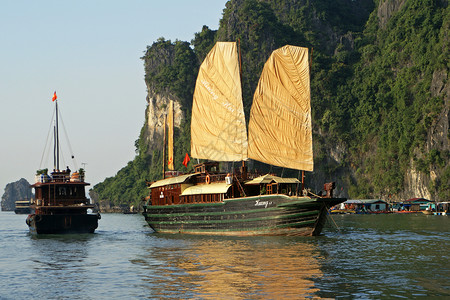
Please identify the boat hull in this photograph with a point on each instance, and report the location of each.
(22, 211)
(62, 223)
(261, 215)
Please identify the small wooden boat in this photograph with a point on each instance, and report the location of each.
(61, 205)
(23, 206)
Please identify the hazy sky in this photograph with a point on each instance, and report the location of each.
(88, 51)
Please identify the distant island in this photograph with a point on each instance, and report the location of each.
(14, 191)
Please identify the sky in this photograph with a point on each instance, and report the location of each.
(88, 51)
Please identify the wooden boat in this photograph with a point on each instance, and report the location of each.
(60, 203)
(239, 202)
(23, 206)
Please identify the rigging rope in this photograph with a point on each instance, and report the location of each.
(68, 142)
(46, 141)
(331, 217)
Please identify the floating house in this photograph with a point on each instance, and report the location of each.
(418, 204)
(442, 208)
(363, 206)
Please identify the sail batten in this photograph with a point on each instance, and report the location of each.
(280, 130)
(218, 130)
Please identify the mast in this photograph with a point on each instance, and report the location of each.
(54, 147)
(240, 59)
(164, 149)
(57, 137)
(243, 168)
(170, 130)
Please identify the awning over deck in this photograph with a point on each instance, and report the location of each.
(171, 180)
(269, 178)
(213, 188)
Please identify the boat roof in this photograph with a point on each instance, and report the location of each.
(213, 188)
(172, 180)
(269, 178)
(364, 201)
(417, 199)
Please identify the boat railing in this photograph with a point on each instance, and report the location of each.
(62, 202)
(42, 178)
(59, 177)
(209, 178)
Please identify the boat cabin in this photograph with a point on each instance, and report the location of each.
(208, 185)
(60, 189)
(271, 184)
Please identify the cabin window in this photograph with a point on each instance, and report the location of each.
(61, 191)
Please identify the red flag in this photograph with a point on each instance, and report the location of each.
(186, 160)
(54, 96)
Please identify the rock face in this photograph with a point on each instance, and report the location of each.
(158, 105)
(416, 183)
(387, 8)
(15, 191)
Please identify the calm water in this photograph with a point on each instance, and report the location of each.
(369, 257)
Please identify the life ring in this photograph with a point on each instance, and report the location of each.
(208, 179)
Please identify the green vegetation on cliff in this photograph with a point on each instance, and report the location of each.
(378, 78)
(390, 100)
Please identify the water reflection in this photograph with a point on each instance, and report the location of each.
(216, 267)
(371, 257)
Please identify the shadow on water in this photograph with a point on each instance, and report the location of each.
(58, 264)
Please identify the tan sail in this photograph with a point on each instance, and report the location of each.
(218, 130)
(170, 136)
(280, 119)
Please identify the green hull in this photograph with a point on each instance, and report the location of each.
(260, 215)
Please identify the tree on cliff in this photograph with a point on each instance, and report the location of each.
(380, 92)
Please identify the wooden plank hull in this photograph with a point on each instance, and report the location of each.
(260, 215)
(22, 210)
(62, 223)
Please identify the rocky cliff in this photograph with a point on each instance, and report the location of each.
(422, 183)
(379, 92)
(15, 191)
(157, 109)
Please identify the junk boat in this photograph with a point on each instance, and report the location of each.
(60, 204)
(240, 203)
